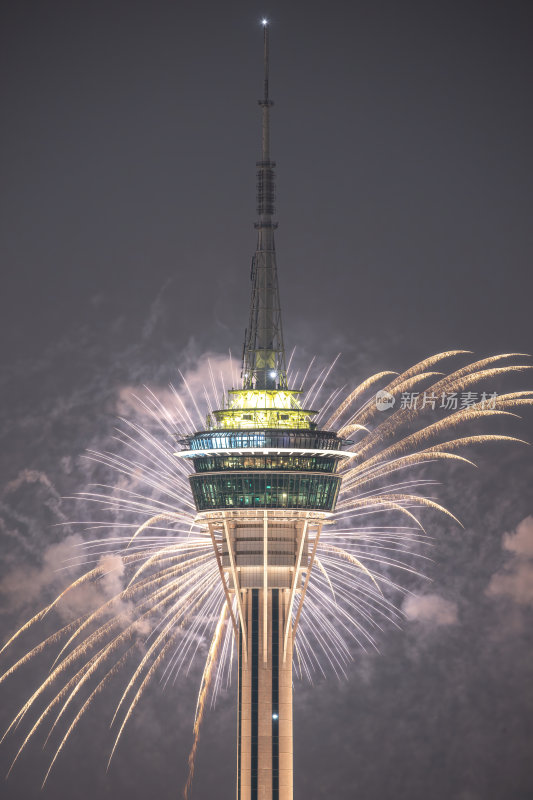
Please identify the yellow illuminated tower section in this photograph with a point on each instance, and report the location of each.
(264, 484)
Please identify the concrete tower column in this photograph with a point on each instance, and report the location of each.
(264, 747)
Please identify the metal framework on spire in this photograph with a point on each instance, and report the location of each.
(263, 361)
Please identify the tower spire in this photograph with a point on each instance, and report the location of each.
(263, 363)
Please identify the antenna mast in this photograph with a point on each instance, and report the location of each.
(263, 363)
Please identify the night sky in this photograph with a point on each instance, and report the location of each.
(402, 134)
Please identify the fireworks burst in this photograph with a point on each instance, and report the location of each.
(171, 600)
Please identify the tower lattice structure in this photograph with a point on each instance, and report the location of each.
(264, 484)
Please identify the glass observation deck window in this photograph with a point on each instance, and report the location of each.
(265, 490)
(282, 462)
(260, 439)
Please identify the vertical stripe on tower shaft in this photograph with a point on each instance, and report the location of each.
(255, 693)
(239, 718)
(275, 694)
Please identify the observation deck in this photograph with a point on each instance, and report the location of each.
(264, 452)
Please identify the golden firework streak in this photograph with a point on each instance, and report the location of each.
(204, 691)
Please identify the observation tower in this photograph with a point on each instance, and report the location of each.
(264, 483)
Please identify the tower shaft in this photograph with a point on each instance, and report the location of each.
(263, 557)
(264, 725)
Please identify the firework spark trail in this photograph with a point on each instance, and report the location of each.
(323, 631)
(222, 386)
(163, 479)
(193, 399)
(94, 639)
(322, 382)
(428, 432)
(415, 483)
(159, 413)
(355, 395)
(383, 561)
(307, 373)
(357, 593)
(458, 380)
(126, 594)
(348, 617)
(316, 382)
(166, 476)
(114, 670)
(361, 599)
(196, 631)
(155, 546)
(94, 573)
(187, 419)
(308, 658)
(171, 632)
(109, 648)
(369, 409)
(97, 635)
(108, 503)
(161, 555)
(55, 637)
(213, 385)
(225, 662)
(183, 607)
(202, 696)
(353, 560)
(302, 664)
(55, 701)
(325, 574)
(208, 402)
(361, 475)
(138, 694)
(147, 445)
(233, 377)
(396, 499)
(290, 382)
(329, 401)
(148, 523)
(378, 504)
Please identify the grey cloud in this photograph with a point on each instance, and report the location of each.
(26, 586)
(515, 579)
(431, 609)
(520, 542)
